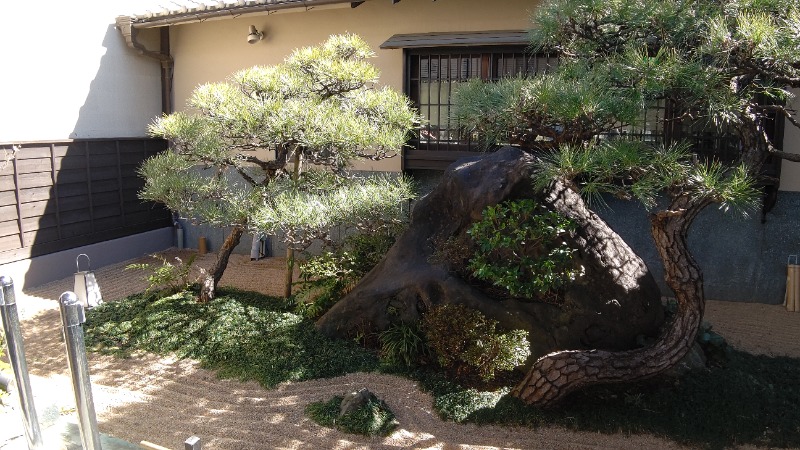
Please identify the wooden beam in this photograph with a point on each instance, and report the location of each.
(457, 39)
(152, 446)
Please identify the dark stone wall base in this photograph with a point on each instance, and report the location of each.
(742, 259)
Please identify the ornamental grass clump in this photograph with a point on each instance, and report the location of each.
(403, 343)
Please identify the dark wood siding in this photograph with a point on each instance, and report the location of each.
(64, 194)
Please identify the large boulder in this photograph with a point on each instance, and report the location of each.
(614, 301)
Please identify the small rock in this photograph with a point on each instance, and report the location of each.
(354, 400)
(716, 349)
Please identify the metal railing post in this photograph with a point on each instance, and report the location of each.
(16, 355)
(72, 317)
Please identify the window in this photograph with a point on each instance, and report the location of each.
(661, 124)
(433, 74)
(437, 62)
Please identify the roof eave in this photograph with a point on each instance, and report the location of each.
(246, 7)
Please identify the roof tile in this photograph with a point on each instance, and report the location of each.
(165, 12)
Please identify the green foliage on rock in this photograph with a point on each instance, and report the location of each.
(521, 247)
(467, 342)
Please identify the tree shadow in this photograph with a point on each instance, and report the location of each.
(751, 401)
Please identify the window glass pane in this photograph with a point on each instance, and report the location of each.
(438, 74)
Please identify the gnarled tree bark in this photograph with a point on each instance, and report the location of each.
(208, 285)
(554, 376)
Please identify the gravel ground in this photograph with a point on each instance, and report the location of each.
(164, 400)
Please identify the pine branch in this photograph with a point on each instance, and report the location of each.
(783, 111)
(794, 157)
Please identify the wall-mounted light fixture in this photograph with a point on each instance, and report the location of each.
(254, 35)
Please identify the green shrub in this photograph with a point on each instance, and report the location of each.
(373, 419)
(521, 248)
(467, 342)
(326, 278)
(403, 343)
(168, 278)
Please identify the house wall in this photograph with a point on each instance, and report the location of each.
(68, 75)
(742, 259)
(212, 50)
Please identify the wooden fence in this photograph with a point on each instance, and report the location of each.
(64, 194)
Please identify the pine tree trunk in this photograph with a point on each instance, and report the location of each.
(287, 286)
(208, 288)
(554, 376)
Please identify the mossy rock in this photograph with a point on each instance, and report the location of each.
(372, 418)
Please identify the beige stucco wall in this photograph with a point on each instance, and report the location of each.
(210, 51)
(67, 73)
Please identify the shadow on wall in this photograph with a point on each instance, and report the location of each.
(85, 191)
(742, 259)
(125, 94)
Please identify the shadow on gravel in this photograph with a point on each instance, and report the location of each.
(752, 400)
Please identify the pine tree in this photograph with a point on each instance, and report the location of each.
(269, 151)
(720, 65)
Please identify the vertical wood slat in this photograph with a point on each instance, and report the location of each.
(89, 186)
(55, 197)
(49, 227)
(18, 203)
(119, 181)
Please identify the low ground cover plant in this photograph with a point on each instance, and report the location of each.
(752, 400)
(243, 335)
